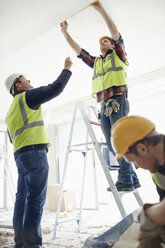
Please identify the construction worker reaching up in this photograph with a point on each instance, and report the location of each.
(109, 87)
(136, 140)
(30, 140)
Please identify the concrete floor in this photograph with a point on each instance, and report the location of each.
(93, 222)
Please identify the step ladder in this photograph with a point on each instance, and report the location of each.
(86, 112)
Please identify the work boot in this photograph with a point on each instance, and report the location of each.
(123, 187)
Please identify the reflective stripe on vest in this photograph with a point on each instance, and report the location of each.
(159, 180)
(112, 68)
(25, 120)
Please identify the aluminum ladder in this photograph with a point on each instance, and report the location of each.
(86, 112)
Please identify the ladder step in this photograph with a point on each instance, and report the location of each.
(89, 143)
(81, 144)
(95, 123)
(68, 219)
(76, 150)
(2, 178)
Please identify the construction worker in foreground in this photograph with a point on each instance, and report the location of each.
(109, 87)
(30, 140)
(136, 140)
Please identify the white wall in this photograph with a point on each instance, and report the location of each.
(147, 97)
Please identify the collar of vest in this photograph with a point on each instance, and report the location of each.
(19, 92)
(109, 52)
(161, 168)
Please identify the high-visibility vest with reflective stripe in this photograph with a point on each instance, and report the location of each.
(159, 180)
(108, 72)
(25, 125)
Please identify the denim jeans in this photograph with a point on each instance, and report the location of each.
(126, 173)
(33, 170)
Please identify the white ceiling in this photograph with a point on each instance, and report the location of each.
(31, 41)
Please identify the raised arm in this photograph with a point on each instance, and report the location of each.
(43, 94)
(71, 42)
(110, 23)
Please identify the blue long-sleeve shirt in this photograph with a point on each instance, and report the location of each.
(37, 96)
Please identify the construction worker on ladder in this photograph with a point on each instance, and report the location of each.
(109, 86)
(136, 140)
(29, 137)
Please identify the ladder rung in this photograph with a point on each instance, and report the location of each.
(2, 178)
(82, 144)
(89, 143)
(76, 218)
(76, 150)
(6, 226)
(95, 123)
(102, 143)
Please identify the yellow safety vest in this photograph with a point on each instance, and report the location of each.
(159, 180)
(25, 125)
(108, 72)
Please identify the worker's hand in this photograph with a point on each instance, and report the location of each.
(150, 233)
(64, 27)
(68, 63)
(97, 5)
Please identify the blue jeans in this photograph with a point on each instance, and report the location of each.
(126, 173)
(33, 170)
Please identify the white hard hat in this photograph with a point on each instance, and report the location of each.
(10, 80)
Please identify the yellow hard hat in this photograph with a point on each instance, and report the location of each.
(127, 131)
(104, 37)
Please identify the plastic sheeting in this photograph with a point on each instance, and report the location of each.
(110, 237)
